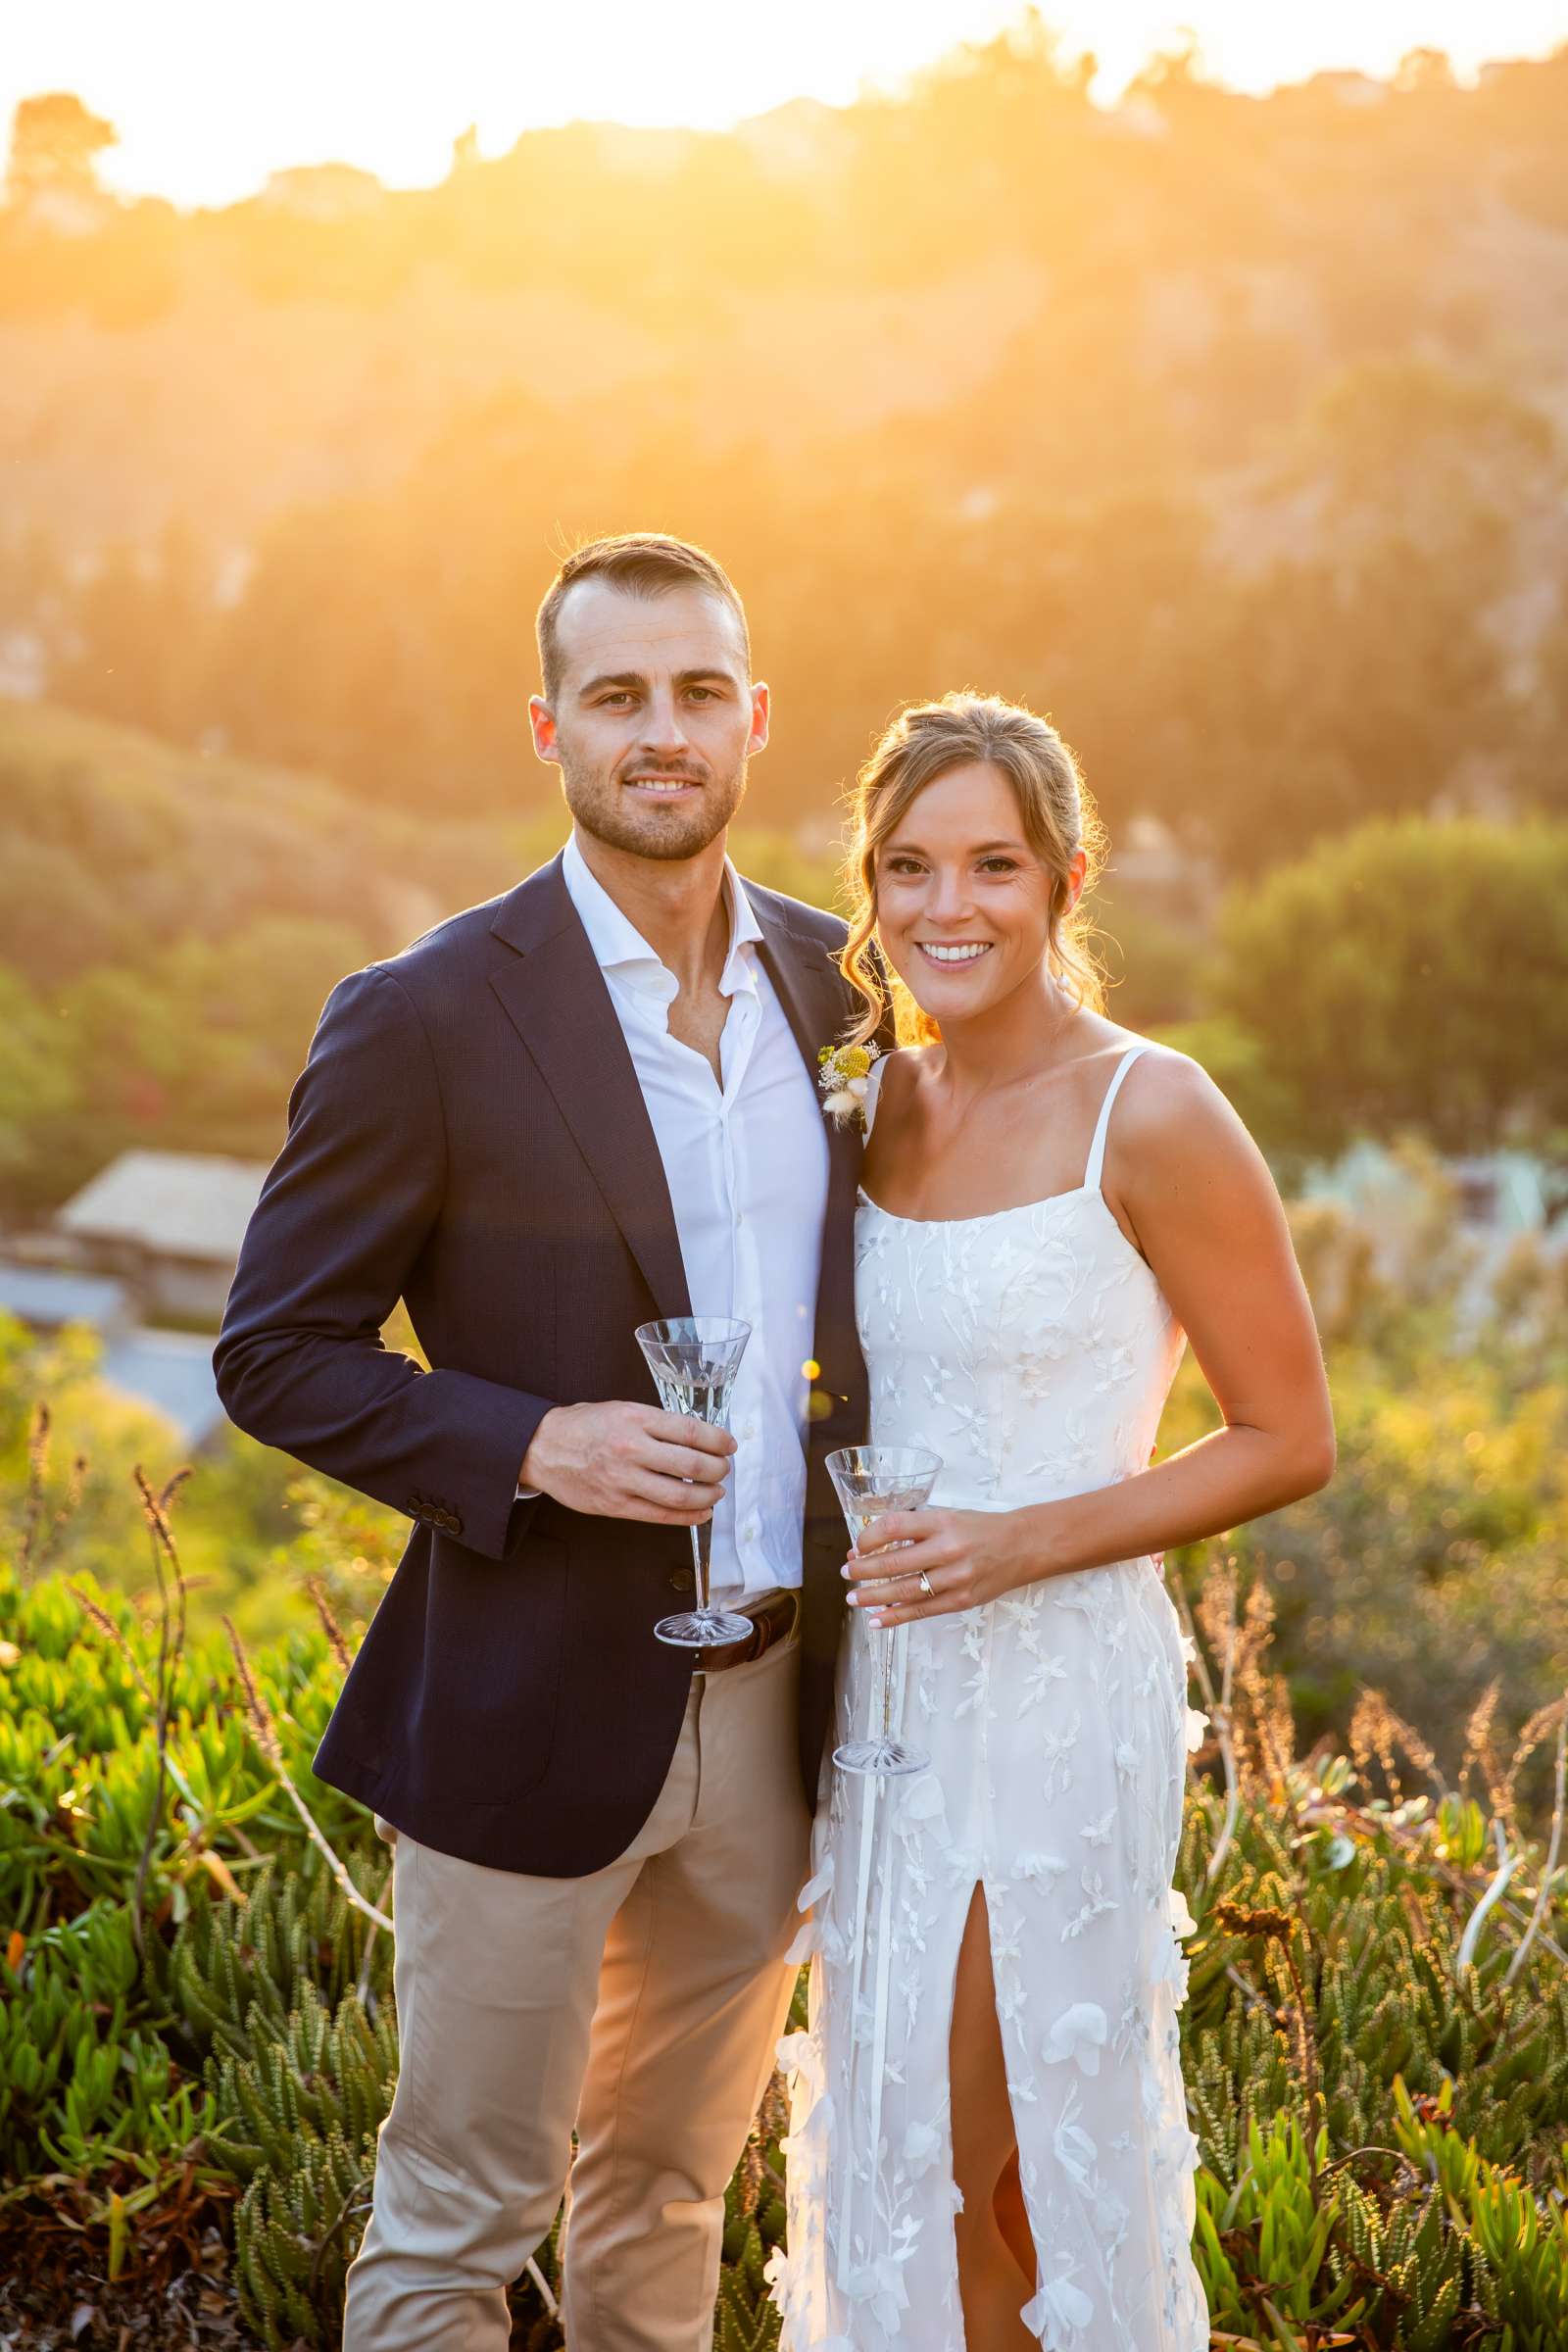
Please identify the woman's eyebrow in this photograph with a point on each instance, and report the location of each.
(981, 848)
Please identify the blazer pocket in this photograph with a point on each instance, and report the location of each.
(495, 1645)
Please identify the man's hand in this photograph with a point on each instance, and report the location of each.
(629, 1461)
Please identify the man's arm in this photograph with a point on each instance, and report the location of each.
(342, 1218)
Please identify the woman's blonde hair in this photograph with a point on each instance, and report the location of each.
(925, 741)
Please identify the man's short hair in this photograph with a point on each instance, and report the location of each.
(643, 564)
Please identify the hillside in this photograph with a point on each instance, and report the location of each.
(115, 844)
(855, 265)
(173, 921)
(1228, 429)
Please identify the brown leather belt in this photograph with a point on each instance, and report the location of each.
(774, 1617)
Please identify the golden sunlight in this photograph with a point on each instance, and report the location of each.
(208, 102)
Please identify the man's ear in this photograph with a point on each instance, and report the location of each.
(760, 711)
(542, 719)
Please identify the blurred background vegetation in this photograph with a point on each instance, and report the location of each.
(1227, 429)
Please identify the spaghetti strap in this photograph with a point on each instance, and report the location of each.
(873, 1081)
(1096, 1149)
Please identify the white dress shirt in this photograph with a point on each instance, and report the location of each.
(747, 1165)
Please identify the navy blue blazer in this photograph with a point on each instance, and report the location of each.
(469, 1135)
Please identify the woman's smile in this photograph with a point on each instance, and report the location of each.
(957, 952)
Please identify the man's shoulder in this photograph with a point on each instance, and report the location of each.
(455, 940)
(469, 942)
(810, 924)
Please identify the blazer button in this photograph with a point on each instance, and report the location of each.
(682, 1579)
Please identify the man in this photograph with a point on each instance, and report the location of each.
(586, 1104)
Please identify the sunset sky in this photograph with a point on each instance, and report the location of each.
(209, 99)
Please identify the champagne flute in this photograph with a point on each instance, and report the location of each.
(694, 1360)
(869, 1480)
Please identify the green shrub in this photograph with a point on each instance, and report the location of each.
(195, 2004)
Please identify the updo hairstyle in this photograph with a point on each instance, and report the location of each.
(925, 741)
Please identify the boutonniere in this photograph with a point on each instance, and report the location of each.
(842, 1074)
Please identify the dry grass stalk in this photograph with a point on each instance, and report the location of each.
(330, 1624)
(113, 1634)
(1548, 1869)
(263, 1725)
(171, 1625)
(1534, 1730)
(71, 1503)
(33, 1499)
(1271, 1724)
(363, 1986)
(1247, 1710)
(35, 1554)
(1377, 1732)
(1220, 1630)
(265, 1730)
(1480, 1753)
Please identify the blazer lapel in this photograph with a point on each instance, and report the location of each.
(808, 988)
(555, 996)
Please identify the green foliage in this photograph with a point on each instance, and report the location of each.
(252, 1521)
(1410, 975)
(1383, 2133)
(1432, 1565)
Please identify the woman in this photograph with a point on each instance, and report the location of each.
(989, 2140)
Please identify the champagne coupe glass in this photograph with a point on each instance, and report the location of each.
(694, 1360)
(869, 1480)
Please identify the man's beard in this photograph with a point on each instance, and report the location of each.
(602, 806)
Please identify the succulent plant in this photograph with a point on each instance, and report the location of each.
(1375, 2037)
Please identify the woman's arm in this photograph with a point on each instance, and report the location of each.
(1191, 1188)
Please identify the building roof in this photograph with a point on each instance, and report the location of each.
(172, 1371)
(189, 1204)
(48, 1297)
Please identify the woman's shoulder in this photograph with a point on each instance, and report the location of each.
(893, 1078)
(897, 1072)
(1169, 1104)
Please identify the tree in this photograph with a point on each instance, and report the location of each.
(55, 145)
(141, 624)
(1444, 462)
(1410, 975)
(38, 1071)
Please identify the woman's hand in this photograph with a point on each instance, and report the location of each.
(952, 1560)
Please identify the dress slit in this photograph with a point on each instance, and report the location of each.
(1028, 2277)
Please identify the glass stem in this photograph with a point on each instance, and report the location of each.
(702, 1539)
(885, 1639)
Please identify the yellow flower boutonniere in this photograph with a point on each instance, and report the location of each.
(844, 1074)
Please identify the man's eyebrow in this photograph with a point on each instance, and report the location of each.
(635, 680)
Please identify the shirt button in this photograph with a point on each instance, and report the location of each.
(682, 1579)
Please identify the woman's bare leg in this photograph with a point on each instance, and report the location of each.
(992, 2283)
(1012, 2218)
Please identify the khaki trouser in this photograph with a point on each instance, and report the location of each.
(641, 2002)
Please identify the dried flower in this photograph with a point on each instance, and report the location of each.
(844, 1074)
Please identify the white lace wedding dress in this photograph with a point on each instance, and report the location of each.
(1033, 1351)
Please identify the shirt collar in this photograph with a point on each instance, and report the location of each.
(619, 947)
